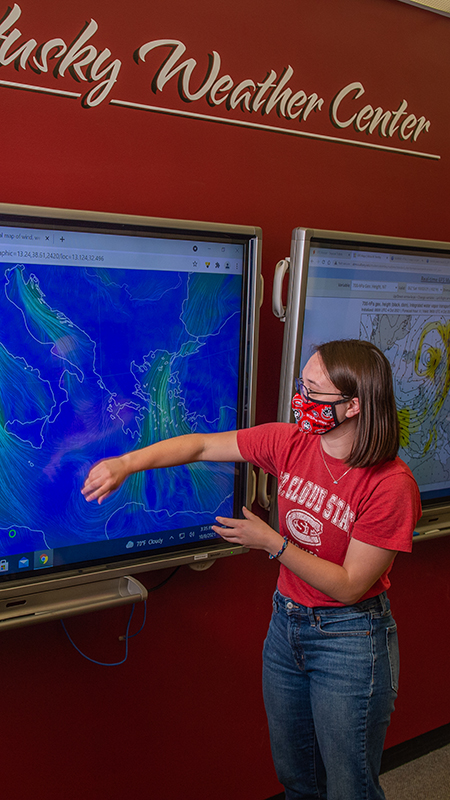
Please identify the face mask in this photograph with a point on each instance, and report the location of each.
(315, 417)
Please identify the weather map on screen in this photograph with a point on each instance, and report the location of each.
(400, 301)
(418, 347)
(102, 354)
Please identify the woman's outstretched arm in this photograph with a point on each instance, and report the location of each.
(108, 475)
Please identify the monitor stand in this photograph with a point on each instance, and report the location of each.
(434, 522)
(69, 601)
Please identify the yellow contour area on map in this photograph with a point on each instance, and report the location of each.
(404, 420)
(432, 362)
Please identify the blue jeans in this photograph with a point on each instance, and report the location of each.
(330, 679)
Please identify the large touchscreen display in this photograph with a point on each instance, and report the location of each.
(110, 342)
(399, 299)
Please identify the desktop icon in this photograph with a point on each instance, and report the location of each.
(43, 558)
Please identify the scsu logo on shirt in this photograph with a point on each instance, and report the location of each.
(304, 528)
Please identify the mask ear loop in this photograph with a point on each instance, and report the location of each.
(338, 403)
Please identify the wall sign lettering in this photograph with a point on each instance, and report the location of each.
(275, 95)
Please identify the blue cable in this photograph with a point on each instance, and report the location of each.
(125, 638)
(121, 638)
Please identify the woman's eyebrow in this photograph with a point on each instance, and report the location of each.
(310, 380)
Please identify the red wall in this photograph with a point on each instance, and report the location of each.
(184, 717)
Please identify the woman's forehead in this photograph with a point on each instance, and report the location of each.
(315, 374)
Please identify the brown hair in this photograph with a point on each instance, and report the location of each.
(359, 369)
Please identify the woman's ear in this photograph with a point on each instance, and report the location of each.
(353, 408)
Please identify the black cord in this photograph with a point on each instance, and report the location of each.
(166, 580)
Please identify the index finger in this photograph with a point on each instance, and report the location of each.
(228, 522)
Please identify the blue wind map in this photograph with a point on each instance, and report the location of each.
(95, 362)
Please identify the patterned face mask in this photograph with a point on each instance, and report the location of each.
(314, 416)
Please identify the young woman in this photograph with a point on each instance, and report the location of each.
(347, 505)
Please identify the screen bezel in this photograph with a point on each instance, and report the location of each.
(436, 518)
(250, 238)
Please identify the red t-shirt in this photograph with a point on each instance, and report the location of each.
(378, 505)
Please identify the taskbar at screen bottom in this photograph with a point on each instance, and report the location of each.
(89, 553)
